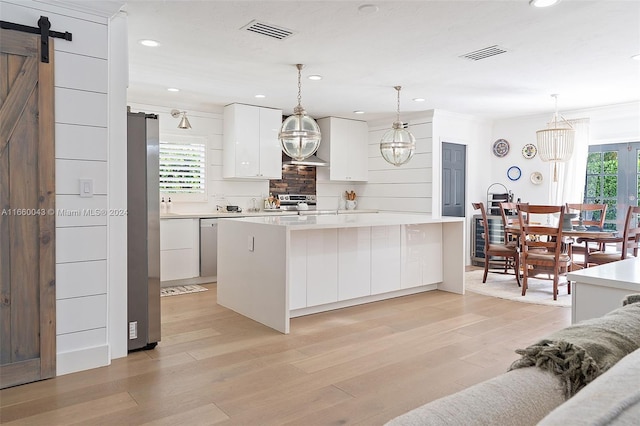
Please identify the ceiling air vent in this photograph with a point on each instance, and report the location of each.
(487, 52)
(268, 30)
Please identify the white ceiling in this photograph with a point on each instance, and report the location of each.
(579, 49)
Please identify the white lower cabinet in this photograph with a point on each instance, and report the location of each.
(179, 249)
(354, 263)
(385, 259)
(421, 253)
(322, 266)
(331, 265)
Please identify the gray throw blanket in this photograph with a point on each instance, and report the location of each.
(580, 353)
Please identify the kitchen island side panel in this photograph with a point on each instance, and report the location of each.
(252, 278)
(453, 257)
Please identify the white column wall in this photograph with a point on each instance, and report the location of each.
(475, 134)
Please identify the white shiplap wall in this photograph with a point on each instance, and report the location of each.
(81, 138)
(390, 188)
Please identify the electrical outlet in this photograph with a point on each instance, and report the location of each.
(133, 330)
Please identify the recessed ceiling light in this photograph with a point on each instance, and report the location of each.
(358, 112)
(173, 89)
(315, 77)
(542, 3)
(149, 43)
(636, 57)
(260, 96)
(419, 99)
(368, 8)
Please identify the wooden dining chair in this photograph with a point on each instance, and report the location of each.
(629, 241)
(542, 248)
(509, 213)
(595, 214)
(506, 252)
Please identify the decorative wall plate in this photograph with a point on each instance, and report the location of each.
(529, 151)
(536, 178)
(514, 173)
(500, 148)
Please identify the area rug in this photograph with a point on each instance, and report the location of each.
(181, 289)
(504, 286)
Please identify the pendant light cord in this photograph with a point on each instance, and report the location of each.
(555, 115)
(299, 85)
(398, 110)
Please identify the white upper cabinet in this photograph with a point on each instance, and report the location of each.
(345, 145)
(251, 148)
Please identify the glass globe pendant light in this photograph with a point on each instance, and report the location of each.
(299, 135)
(397, 144)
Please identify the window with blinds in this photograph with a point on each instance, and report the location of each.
(183, 169)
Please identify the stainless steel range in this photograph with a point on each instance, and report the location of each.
(297, 202)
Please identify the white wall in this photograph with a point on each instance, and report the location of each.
(82, 151)
(207, 127)
(609, 124)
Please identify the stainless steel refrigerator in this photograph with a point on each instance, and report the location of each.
(143, 231)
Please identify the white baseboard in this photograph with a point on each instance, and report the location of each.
(83, 359)
(360, 300)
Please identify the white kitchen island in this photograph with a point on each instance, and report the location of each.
(273, 268)
(601, 289)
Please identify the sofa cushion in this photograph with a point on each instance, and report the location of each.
(519, 397)
(611, 399)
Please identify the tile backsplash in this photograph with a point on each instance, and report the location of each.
(295, 180)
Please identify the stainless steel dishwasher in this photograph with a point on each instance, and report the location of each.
(209, 248)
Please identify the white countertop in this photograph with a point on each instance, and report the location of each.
(261, 213)
(348, 220)
(624, 274)
(224, 215)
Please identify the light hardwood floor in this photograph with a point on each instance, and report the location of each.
(360, 366)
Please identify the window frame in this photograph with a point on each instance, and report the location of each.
(178, 139)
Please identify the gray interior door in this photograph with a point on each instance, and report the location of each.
(453, 179)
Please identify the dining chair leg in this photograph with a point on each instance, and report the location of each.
(486, 270)
(555, 286)
(516, 269)
(524, 280)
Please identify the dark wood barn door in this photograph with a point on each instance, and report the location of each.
(27, 215)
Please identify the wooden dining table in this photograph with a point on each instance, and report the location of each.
(515, 229)
(573, 235)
